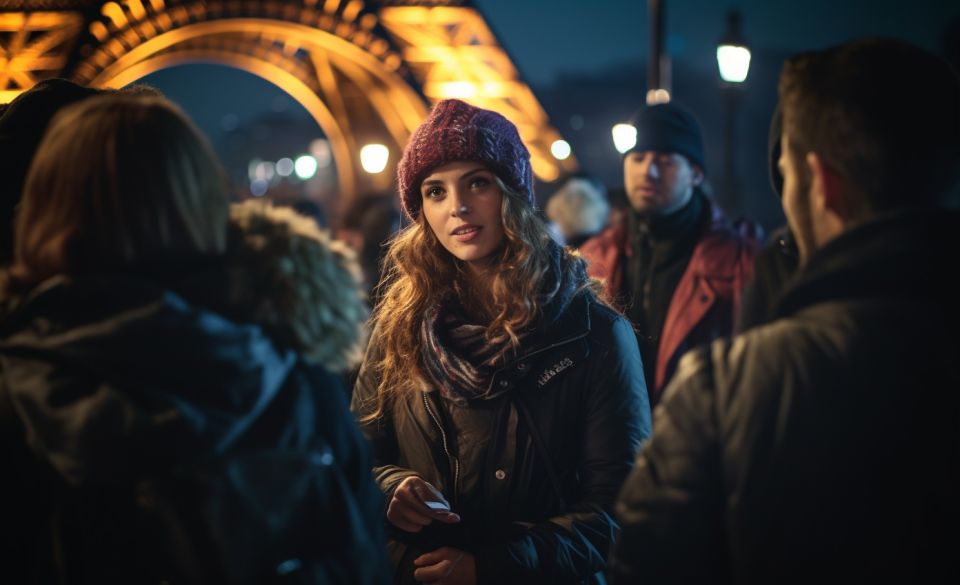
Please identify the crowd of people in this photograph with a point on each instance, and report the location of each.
(199, 390)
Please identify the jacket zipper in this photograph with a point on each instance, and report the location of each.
(446, 448)
(443, 433)
(648, 280)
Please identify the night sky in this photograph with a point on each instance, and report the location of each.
(578, 35)
(565, 47)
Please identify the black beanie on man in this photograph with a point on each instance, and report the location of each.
(669, 128)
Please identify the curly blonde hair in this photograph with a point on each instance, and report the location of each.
(420, 273)
(303, 287)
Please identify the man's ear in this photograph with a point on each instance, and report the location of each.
(697, 175)
(826, 188)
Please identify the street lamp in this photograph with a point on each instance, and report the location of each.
(733, 55)
(560, 149)
(733, 61)
(624, 137)
(374, 157)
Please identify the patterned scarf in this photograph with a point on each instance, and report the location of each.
(461, 363)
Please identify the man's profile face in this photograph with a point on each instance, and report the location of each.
(659, 182)
(796, 200)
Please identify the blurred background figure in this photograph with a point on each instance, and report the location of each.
(673, 261)
(22, 124)
(810, 445)
(367, 226)
(151, 371)
(312, 209)
(579, 209)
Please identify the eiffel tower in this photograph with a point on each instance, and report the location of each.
(360, 68)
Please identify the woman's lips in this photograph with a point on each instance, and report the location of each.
(465, 233)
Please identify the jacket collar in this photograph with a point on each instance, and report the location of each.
(620, 234)
(679, 225)
(574, 325)
(903, 253)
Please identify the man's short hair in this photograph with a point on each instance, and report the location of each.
(883, 114)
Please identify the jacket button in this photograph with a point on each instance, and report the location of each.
(500, 474)
(504, 383)
(288, 566)
(522, 366)
(323, 459)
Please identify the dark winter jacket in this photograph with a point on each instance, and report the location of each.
(775, 263)
(823, 446)
(584, 392)
(108, 383)
(706, 300)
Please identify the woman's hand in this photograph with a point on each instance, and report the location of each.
(409, 509)
(446, 566)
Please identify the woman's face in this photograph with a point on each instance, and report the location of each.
(461, 204)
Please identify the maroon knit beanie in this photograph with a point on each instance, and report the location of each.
(456, 131)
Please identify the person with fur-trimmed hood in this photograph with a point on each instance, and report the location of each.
(150, 336)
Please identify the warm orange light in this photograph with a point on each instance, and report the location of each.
(454, 54)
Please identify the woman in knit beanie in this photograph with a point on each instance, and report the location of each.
(503, 400)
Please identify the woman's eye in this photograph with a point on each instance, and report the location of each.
(478, 182)
(433, 193)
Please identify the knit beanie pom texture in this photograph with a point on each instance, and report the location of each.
(456, 131)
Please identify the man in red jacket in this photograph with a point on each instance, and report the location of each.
(674, 264)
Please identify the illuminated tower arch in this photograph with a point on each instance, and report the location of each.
(365, 71)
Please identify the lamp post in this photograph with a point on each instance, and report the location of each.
(658, 69)
(733, 61)
(658, 75)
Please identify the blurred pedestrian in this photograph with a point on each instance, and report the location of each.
(579, 209)
(823, 445)
(22, 124)
(674, 263)
(171, 427)
(368, 225)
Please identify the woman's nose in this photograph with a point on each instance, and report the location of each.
(458, 206)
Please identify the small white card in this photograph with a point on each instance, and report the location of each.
(437, 505)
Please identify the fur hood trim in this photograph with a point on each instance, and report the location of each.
(303, 287)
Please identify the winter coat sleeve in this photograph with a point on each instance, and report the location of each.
(671, 506)
(573, 546)
(379, 432)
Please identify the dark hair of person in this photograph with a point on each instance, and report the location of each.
(119, 181)
(894, 140)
